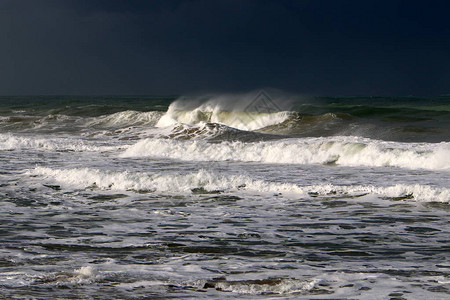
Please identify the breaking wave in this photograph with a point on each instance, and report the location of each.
(13, 142)
(205, 114)
(245, 112)
(345, 151)
(265, 286)
(204, 181)
(127, 118)
(213, 132)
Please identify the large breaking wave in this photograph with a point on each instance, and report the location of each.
(235, 111)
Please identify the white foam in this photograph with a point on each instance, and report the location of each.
(285, 286)
(110, 180)
(345, 151)
(216, 111)
(13, 142)
(46, 120)
(182, 183)
(86, 272)
(127, 118)
(198, 132)
(83, 275)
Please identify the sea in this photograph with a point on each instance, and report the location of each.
(258, 195)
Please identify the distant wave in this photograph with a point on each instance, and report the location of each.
(204, 181)
(127, 118)
(213, 132)
(236, 119)
(50, 121)
(234, 115)
(249, 112)
(14, 142)
(345, 151)
(326, 124)
(60, 122)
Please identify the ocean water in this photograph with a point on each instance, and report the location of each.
(224, 196)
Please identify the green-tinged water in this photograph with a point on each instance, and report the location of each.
(224, 197)
(387, 118)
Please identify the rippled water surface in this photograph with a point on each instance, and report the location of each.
(99, 200)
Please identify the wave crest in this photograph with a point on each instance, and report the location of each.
(127, 118)
(12, 142)
(241, 120)
(202, 180)
(214, 132)
(345, 151)
(241, 111)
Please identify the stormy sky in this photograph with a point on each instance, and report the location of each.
(320, 47)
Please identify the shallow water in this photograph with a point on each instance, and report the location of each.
(99, 201)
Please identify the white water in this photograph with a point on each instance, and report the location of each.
(111, 211)
(127, 118)
(219, 111)
(87, 178)
(42, 143)
(345, 151)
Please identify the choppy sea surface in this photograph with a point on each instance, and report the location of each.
(224, 196)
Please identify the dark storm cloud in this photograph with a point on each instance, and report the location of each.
(173, 47)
